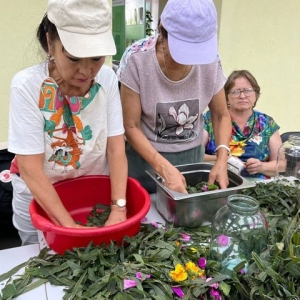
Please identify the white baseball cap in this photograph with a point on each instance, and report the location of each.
(192, 30)
(83, 26)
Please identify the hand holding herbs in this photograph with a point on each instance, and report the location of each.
(98, 216)
(201, 187)
(173, 263)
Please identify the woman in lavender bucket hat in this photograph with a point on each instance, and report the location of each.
(167, 81)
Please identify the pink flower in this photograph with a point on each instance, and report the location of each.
(202, 262)
(129, 284)
(154, 224)
(178, 291)
(135, 47)
(144, 220)
(214, 285)
(185, 237)
(141, 276)
(243, 271)
(215, 294)
(204, 188)
(223, 240)
(267, 225)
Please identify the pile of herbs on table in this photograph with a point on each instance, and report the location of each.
(173, 263)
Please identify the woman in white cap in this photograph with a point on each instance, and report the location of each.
(66, 115)
(167, 81)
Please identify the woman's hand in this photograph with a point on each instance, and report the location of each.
(174, 180)
(219, 173)
(117, 215)
(254, 166)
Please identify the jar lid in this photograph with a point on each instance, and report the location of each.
(294, 140)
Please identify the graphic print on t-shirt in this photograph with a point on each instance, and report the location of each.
(66, 134)
(175, 121)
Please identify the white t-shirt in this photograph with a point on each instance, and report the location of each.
(71, 131)
(171, 110)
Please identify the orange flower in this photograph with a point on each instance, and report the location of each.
(237, 148)
(179, 274)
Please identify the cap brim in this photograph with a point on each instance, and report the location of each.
(186, 53)
(82, 45)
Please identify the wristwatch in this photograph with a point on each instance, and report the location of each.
(119, 202)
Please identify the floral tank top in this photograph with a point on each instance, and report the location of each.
(251, 142)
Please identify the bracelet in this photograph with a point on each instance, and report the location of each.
(223, 146)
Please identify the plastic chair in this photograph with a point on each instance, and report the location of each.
(285, 136)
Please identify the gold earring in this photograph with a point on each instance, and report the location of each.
(50, 58)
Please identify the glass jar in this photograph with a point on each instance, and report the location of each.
(237, 229)
(289, 152)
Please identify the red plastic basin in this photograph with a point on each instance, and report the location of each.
(79, 195)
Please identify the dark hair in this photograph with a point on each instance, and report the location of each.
(44, 27)
(241, 73)
(162, 30)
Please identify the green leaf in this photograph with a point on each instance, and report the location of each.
(9, 291)
(34, 285)
(224, 287)
(139, 259)
(261, 265)
(262, 276)
(98, 272)
(77, 287)
(280, 246)
(161, 255)
(123, 296)
(13, 271)
(293, 269)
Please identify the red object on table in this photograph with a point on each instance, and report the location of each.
(79, 196)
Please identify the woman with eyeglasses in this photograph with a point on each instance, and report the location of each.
(255, 138)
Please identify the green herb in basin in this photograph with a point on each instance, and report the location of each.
(201, 187)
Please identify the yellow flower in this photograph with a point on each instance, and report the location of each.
(177, 244)
(192, 267)
(193, 249)
(179, 274)
(237, 148)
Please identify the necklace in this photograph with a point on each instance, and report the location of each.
(165, 64)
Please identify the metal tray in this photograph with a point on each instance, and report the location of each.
(192, 210)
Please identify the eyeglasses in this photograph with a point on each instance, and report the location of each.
(237, 93)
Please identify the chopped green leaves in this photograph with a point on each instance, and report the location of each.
(98, 272)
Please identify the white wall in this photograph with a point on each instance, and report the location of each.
(263, 36)
(18, 48)
(19, 20)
